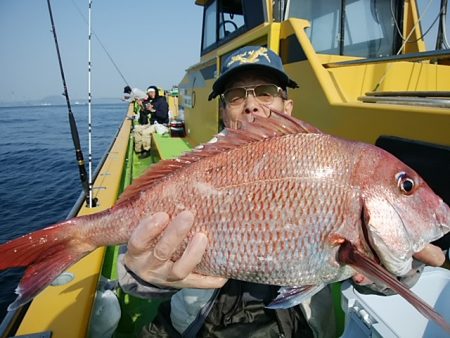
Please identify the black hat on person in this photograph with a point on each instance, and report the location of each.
(127, 90)
(251, 57)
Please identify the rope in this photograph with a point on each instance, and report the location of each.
(405, 41)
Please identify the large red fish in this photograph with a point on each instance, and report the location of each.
(280, 202)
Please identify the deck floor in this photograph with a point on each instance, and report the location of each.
(138, 312)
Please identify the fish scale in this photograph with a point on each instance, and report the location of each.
(257, 204)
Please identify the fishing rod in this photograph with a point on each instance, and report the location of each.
(92, 201)
(73, 124)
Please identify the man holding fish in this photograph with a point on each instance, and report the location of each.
(253, 87)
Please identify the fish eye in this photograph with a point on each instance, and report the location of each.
(405, 183)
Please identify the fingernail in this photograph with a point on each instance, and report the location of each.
(187, 214)
(158, 218)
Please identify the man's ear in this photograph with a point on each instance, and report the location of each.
(288, 107)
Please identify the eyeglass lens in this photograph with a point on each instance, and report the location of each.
(263, 93)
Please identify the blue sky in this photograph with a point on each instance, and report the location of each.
(152, 42)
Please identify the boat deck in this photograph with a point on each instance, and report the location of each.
(137, 312)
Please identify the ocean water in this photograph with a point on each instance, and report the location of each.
(39, 177)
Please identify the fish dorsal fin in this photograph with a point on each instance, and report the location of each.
(261, 128)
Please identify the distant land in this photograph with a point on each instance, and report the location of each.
(56, 100)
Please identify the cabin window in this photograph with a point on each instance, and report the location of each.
(231, 18)
(224, 20)
(209, 25)
(365, 28)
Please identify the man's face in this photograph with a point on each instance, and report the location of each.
(250, 105)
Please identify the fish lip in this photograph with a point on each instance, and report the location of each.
(442, 217)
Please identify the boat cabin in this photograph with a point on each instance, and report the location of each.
(361, 65)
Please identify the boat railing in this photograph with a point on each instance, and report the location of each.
(79, 202)
(333, 94)
(438, 99)
(412, 57)
(12, 320)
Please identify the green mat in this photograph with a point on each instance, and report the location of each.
(170, 147)
(138, 312)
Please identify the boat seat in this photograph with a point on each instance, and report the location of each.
(167, 147)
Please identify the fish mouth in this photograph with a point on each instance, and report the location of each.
(398, 267)
(366, 243)
(443, 217)
(421, 249)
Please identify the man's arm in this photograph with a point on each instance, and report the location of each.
(162, 110)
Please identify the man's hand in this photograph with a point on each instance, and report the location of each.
(431, 255)
(154, 265)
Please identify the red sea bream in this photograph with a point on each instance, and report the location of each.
(281, 203)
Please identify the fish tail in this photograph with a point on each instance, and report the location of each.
(348, 254)
(45, 254)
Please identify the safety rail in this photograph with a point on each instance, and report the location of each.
(412, 57)
(440, 99)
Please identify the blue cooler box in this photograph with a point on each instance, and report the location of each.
(393, 316)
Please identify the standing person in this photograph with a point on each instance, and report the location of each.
(252, 83)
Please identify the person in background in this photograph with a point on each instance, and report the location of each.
(154, 110)
(145, 111)
(252, 83)
(133, 94)
(156, 107)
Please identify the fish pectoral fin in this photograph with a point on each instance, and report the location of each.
(292, 296)
(348, 254)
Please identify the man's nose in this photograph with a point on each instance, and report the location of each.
(251, 105)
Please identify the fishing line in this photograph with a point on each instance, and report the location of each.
(441, 39)
(72, 122)
(101, 45)
(423, 34)
(405, 40)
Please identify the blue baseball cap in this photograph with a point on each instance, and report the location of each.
(251, 57)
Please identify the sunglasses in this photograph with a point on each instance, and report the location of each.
(264, 94)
